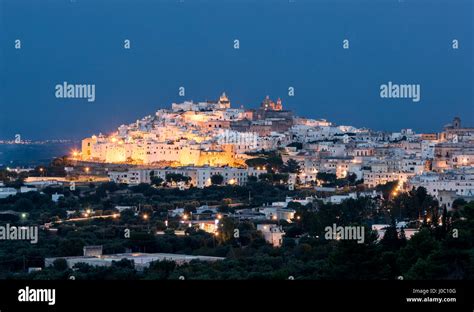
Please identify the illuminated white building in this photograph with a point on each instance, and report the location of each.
(200, 177)
(272, 233)
(460, 181)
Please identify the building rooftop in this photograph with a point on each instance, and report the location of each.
(140, 260)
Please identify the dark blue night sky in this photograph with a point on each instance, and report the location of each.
(190, 44)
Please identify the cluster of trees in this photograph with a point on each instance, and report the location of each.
(11, 178)
(291, 166)
(443, 248)
(331, 180)
(415, 204)
(271, 161)
(55, 168)
(170, 178)
(274, 178)
(217, 179)
(274, 163)
(432, 253)
(176, 178)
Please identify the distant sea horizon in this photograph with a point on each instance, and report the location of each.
(34, 154)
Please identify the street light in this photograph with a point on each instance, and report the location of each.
(145, 218)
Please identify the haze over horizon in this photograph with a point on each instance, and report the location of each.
(191, 44)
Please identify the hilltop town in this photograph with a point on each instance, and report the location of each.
(203, 139)
(207, 189)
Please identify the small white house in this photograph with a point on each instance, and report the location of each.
(26, 189)
(55, 197)
(273, 233)
(7, 191)
(278, 213)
